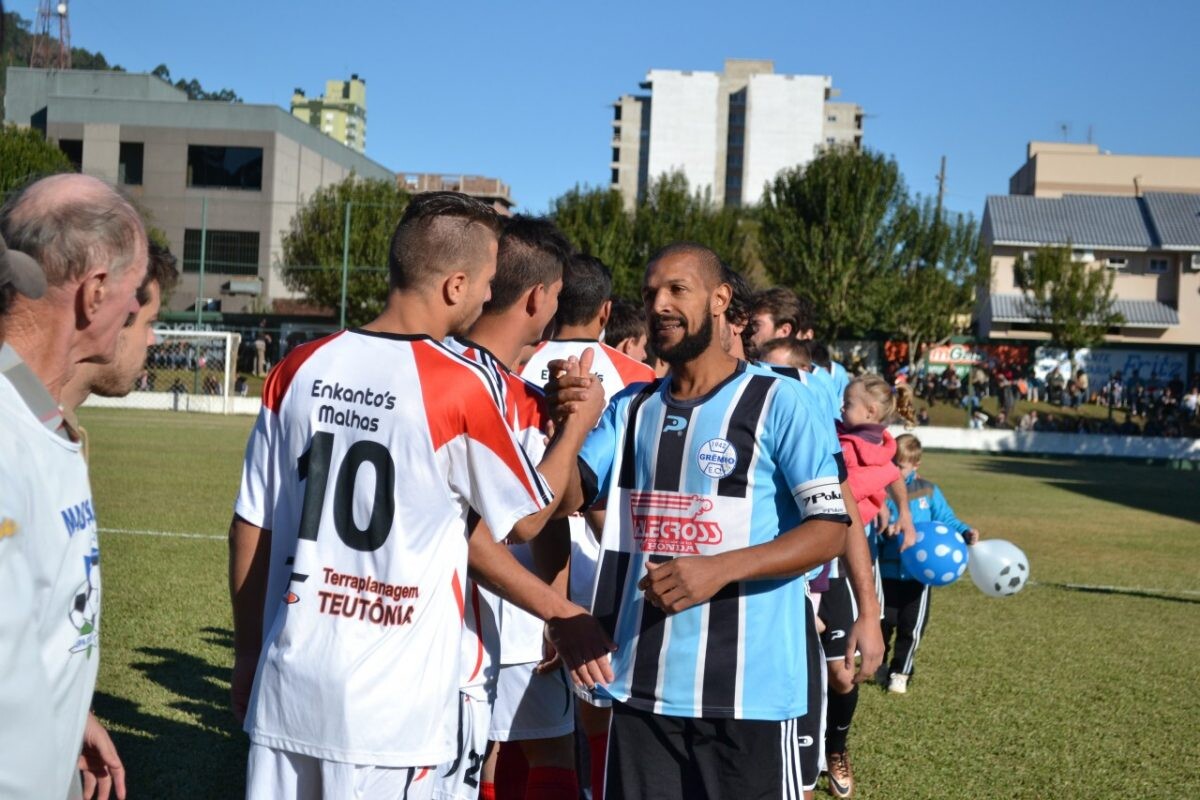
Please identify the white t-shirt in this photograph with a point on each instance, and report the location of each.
(368, 454)
(616, 371)
(49, 603)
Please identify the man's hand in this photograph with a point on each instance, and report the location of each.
(573, 389)
(683, 582)
(244, 665)
(865, 636)
(579, 642)
(101, 768)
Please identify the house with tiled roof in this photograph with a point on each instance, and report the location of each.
(1150, 242)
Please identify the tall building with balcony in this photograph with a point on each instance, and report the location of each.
(728, 132)
(340, 114)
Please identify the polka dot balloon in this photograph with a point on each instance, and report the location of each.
(939, 557)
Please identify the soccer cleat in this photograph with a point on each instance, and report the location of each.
(898, 684)
(841, 777)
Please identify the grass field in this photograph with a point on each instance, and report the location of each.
(1057, 692)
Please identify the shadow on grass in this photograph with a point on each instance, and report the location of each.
(1125, 591)
(202, 757)
(1148, 488)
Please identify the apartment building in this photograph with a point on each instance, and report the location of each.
(341, 113)
(728, 132)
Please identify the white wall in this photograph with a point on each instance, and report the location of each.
(683, 126)
(785, 117)
(1061, 444)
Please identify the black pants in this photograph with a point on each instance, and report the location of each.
(905, 613)
(657, 757)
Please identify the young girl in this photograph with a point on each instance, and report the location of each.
(869, 404)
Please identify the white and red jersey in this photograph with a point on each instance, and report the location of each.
(368, 453)
(525, 410)
(615, 369)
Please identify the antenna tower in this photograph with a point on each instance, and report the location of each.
(49, 52)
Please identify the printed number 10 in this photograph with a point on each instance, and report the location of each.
(313, 466)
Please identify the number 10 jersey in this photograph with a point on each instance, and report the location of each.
(367, 456)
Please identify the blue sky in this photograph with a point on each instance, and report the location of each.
(522, 90)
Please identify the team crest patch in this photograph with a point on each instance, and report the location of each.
(717, 458)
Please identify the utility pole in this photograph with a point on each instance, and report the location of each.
(941, 179)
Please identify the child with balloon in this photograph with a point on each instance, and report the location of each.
(905, 598)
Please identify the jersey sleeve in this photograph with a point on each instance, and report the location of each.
(29, 752)
(942, 512)
(259, 490)
(804, 451)
(600, 451)
(492, 472)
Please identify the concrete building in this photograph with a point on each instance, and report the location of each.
(491, 190)
(341, 113)
(1052, 169)
(1150, 242)
(729, 133)
(222, 180)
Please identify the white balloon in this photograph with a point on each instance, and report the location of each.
(998, 568)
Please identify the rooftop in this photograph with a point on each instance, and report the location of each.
(1154, 221)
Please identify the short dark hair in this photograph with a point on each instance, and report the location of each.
(707, 257)
(532, 251)
(627, 320)
(781, 304)
(587, 283)
(742, 302)
(799, 354)
(820, 354)
(438, 230)
(162, 268)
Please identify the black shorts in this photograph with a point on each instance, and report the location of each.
(810, 729)
(838, 611)
(654, 756)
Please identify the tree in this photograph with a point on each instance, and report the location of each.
(193, 88)
(942, 262)
(25, 154)
(596, 222)
(830, 231)
(1070, 299)
(312, 246)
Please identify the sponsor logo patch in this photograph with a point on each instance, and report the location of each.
(667, 522)
(717, 458)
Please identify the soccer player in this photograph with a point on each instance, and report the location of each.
(534, 711)
(780, 312)
(89, 246)
(348, 549)
(583, 313)
(626, 328)
(722, 491)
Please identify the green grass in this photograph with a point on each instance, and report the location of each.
(1052, 693)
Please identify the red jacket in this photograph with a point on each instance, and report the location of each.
(869, 470)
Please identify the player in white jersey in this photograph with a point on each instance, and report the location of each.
(532, 709)
(89, 246)
(348, 548)
(583, 314)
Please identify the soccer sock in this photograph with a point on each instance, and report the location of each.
(551, 783)
(512, 771)
(487, 791)
(838, 718)
(598, 752)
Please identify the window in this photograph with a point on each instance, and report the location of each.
(616, 176)
(219, 167)
(225, 252)
(616, 154)
(73, 150)
(1159, 266)
(617, 112)
(831, 118)
(829, 140)
(129, 167)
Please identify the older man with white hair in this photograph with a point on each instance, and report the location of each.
(91, 248)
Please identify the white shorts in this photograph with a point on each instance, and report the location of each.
(531, 706)
(459, 780)
(282, 775)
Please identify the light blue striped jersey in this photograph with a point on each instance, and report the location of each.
(738, 467)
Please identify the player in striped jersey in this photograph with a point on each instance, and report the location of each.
(722, 491)
(533, 711)
(583, 316)
(373, 449)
